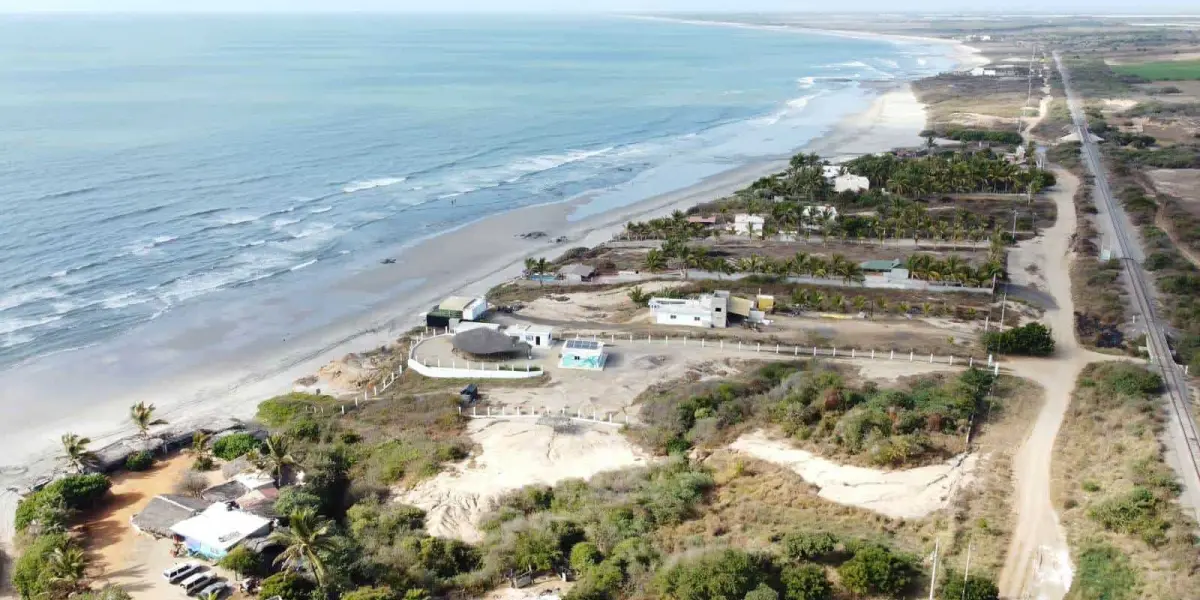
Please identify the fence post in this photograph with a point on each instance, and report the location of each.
(952, 360)
(489, 411)
(685, 340)
(872, 354)
(892, 356)
(795, 350)
(343, 410)
(834, 352)
(355, 401)
(931, 358)
(970, 361)
(814, 351)
(758, 347)
(702, 343)
(910, 356)
(739, 345)
(722, 344)
(776, 348)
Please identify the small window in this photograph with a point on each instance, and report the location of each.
(697, 319)
(672, 317)
(718, 309)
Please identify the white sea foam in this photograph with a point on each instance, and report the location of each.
(8, 326)
(806, 82)
(323, 209)
(370, 184)
(889, 62)
(21, 298)
(254, 243)
(279, 224)
(237, 219)
(307, 263)
(122, 300)
(163, 239)
(12, 340)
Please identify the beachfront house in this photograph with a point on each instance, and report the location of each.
(843, 181)
(538, 336)
(583, 354)
(577, 273)
(219, 529)
(874, 267)
(708, 311)
(745, 224)
(469, 309)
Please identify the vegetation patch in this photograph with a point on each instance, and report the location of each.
(1172, 70)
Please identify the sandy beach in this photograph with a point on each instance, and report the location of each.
(469, 260)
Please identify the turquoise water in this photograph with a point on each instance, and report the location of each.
(146, 163)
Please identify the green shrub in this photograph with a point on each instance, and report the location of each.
(876, 570)
(808, 546)
(805, 582)
(235, 445)
(371, 522)
(31, 574)
(371, 593)
(244, 562)
(281, 411)
(584, 556)
(203, 463)
(1135, 512)
(292, 499)
(51, 505)
(762, 592)
(139, 461)
(727, 575)
(975, 587)
(286, 585)
(1031, 339)
(82, 492)
(304, 429)
(1104, 573)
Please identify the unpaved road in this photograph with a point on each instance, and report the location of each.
(1038, 562)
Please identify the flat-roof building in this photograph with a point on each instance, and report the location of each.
(583, 354)
(219, 529)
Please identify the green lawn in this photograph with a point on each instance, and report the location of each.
(1172, 70)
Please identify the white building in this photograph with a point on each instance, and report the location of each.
(472, 309)
(538, 336)
(845, 181)
(980, 71)
(217, 530)
(706, 311)
(744, 224)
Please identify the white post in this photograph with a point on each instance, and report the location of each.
(970, 361)
(758, 347)
(739, 345)
(931, 358)
(989, 360)
(952, 360)
(343, 409)
(776, 348)
(795, 350)
(489, 411)
(685, 340)
(892, 356)
(631, 338)
(702, 342)
(910, 356)
(872, 354)
(722, 344)
(356, 402)
(814, 350)
(852, 353)
(996, 369)
(474, 412)
(835, 351)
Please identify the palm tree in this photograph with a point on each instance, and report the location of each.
(67, 569)
(200, 445)
(838, 303)
(904, 308)
(531, 262)
(142, 415)
(305, 538)
(273, 456)
(655, 260)
(926, 309)
(75, 451)
(860, 303)
(541, 266)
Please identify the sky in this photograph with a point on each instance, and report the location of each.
(694, 6)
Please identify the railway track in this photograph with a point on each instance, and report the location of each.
(1187, 446)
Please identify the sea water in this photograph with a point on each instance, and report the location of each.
(150, 162)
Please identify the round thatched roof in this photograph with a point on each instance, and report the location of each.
(484, 341)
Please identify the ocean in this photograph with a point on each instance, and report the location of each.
(150, 163)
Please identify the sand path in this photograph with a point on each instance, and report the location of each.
(1038, 563)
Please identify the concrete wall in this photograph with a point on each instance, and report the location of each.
(465, 373)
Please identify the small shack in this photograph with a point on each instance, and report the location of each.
(583, 354)
(467, 309)
(489, 343)
(538, 336)
(219, 529)
(577, 273)
(879, 266)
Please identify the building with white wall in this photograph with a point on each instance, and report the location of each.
(745, 224)
(707, 311)
(538, 336)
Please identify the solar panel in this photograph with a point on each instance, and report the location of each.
(582, 345)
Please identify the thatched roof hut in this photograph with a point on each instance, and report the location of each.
(487, 342)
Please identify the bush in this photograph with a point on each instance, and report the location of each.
(729, 574)
(371, 522)
(51, 505)
(973, 588)
(805, 582)
(191, 484)
(876, 570)
(808, 546)
(244, 562)
(1031, 339)
(81, 492)
(31, 574)
(1104, 573)
(281, 411)
(371, 593)
(139, 461)
(286, 585)
(1136, 512)
(584, 556)
(233, 446)
(292, 499)
(762, 592)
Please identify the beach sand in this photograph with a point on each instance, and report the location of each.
(469, 260)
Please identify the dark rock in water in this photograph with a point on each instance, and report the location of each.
(388, 261)
(562, 239)
(534, 235)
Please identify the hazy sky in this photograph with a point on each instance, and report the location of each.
(1069, 6)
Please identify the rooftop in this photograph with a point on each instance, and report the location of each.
(163, 512)
(583, 345)
(218, 527)
(880, 265)
(458, 303)
(531, 329)
(577, 269)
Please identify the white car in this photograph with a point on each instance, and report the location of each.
(179, 571)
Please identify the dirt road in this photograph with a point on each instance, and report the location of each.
(1038, 563)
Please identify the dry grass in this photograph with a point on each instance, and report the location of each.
(1105, 448)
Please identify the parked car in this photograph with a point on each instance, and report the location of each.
(180, 571)
(220, 588)
(192, 585)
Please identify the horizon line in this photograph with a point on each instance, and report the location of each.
(490, 12)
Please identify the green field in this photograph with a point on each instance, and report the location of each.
(1172, 70)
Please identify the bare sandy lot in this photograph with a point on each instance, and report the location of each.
(1181, 183)
(608, 306)
(907, 494)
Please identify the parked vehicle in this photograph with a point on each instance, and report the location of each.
(180, 571)
(192, 585)
(220, 588)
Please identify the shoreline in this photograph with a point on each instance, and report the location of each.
(467, 260)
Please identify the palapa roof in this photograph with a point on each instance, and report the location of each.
(164, 511)
(487, 341)
(577, 269)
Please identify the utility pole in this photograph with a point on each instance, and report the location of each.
(933, 577)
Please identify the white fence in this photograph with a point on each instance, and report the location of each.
(798, 351)
(476, 370)
(580, 415)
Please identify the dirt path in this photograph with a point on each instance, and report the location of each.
(1038, 563)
